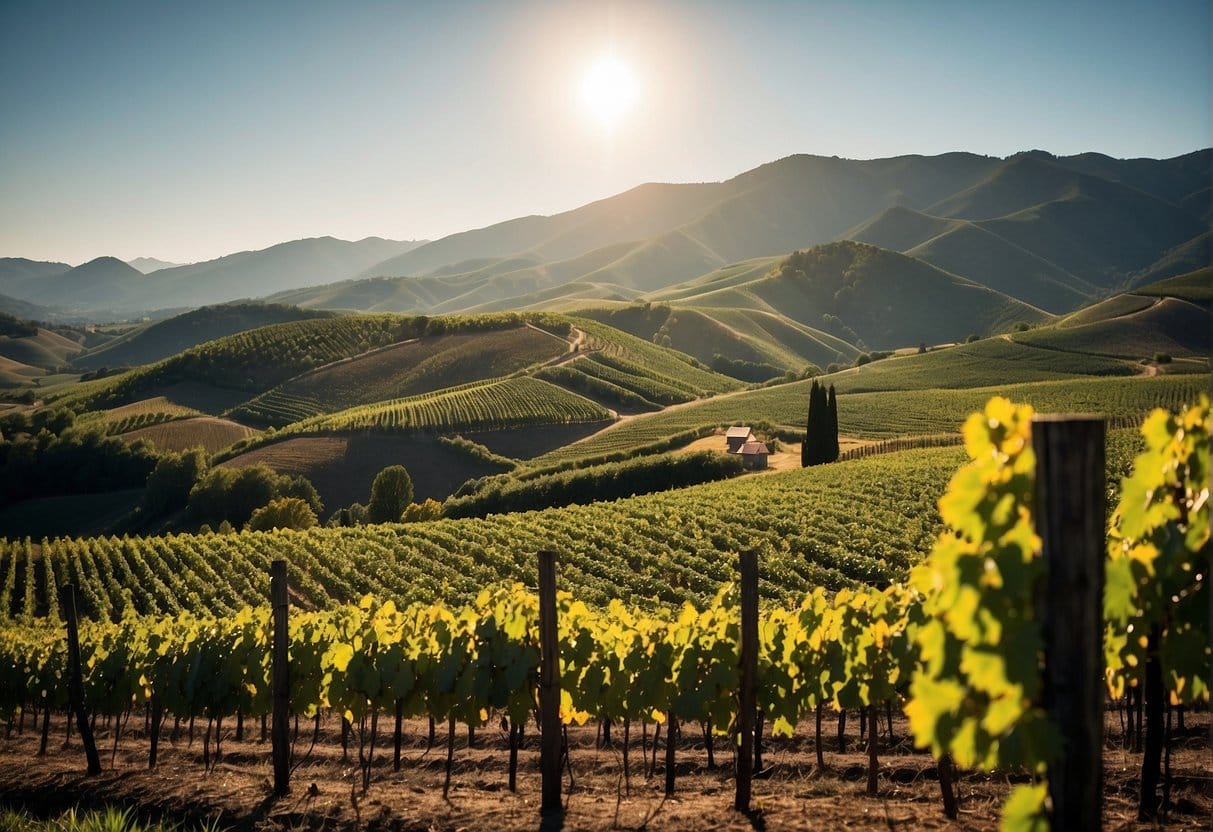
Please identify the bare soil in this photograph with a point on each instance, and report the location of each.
(326, 791)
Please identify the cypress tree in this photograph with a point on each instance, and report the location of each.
(833, 425)
(808, 428)
(817, 438)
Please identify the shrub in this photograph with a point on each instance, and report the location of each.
(283, 513)
(1162, 358)
(168, 486)
(391, 492)
(231, 495)
(419, 512)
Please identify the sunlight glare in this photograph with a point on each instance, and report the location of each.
(608, 90)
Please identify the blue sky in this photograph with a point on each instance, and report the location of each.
(187, 130)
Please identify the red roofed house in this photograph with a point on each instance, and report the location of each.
(754, 455)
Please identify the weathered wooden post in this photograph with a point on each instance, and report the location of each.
(549, 686)
(280, 687)
(1069, 512)
(747, 705)
(75, 684)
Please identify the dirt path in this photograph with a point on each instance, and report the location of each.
(324, 794)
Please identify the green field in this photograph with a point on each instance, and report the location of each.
(881, 415)
(980, 364)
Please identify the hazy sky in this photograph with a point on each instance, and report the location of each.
(187, 130)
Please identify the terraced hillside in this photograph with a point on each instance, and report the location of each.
(492, 405)
(421, 365)
(253, 361)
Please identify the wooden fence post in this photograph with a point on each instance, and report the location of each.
(747, 705)
(280, 688)
(1069, 512)
(549, 685)
(75, 684)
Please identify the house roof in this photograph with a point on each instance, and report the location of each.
(754, 448)
(738, 432)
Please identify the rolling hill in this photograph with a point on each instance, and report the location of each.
(864, 295)
(160, 339)
(420, 365)
(46, 350)
(752, 336)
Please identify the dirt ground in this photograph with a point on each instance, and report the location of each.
(326, 792)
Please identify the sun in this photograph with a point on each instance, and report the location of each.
(608, 91)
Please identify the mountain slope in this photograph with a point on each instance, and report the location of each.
(861, 293)
(105, 282)
(147, 265)
(17, 274)
(641, 212)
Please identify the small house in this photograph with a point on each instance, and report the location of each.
(738, 436)
(754, 456)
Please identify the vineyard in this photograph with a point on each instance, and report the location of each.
(635, 356)
(888, 415)
(423, 365)
(493, 405)
(957, 644)
(658, 548)
(253, 360)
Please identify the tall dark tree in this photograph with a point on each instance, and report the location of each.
(807, 445)
(817, 443)
(833, 424)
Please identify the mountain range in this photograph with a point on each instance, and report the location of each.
(1023, 238)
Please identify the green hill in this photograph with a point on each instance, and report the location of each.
(1195, 286)
(750, 336)
(492, 405)
(1193, 255)
(161, 339)
(861, 293)
(901, 229)
(45, 349)
(421, 365)
(252, 361)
